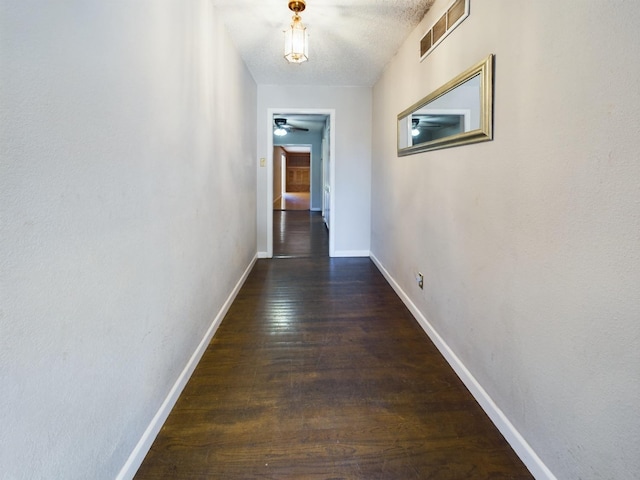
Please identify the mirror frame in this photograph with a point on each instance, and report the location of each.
(482, 134)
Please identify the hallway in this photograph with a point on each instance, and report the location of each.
(318, 371)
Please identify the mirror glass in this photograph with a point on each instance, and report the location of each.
(458, 113)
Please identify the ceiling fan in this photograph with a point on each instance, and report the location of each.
(281, 124)
(416, 123)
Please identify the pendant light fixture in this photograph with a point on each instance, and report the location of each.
(296, 42)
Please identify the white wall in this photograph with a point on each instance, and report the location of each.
(530, 244)
(127, 217)
(352, 192)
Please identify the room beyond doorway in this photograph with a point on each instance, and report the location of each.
(291, 177)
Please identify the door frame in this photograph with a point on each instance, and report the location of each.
(331, 113)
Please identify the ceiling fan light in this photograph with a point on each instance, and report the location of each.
(280, 132)
(296, 42)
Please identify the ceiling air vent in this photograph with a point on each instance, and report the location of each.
(458, 10)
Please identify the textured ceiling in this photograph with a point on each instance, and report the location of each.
(350, 41)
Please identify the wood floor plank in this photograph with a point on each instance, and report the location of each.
(318, 371)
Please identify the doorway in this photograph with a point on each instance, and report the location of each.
(297, 231)
(291, 178)
(301, 125)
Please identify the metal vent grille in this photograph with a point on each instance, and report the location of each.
(458, 10)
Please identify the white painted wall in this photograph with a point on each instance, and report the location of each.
(530, 244)
(352, 107)
(127, 215)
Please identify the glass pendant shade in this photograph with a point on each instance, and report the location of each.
(296, 44)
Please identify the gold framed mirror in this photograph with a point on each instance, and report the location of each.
(458, 113)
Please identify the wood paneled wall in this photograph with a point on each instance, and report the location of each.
(298, 172)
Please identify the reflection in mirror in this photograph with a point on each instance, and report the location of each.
(457, 113)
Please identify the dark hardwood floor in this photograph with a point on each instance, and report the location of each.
(299, 234)
(319, 371)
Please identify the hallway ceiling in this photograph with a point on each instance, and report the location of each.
(350, 41)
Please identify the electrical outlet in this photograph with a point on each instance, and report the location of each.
(420, 280)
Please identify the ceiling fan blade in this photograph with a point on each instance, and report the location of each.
(282, 123)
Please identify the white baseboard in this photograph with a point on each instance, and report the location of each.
(277, 200)
(262, 255)
(528, 456)
(315, 209)
(144, 444)
(351, 253)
